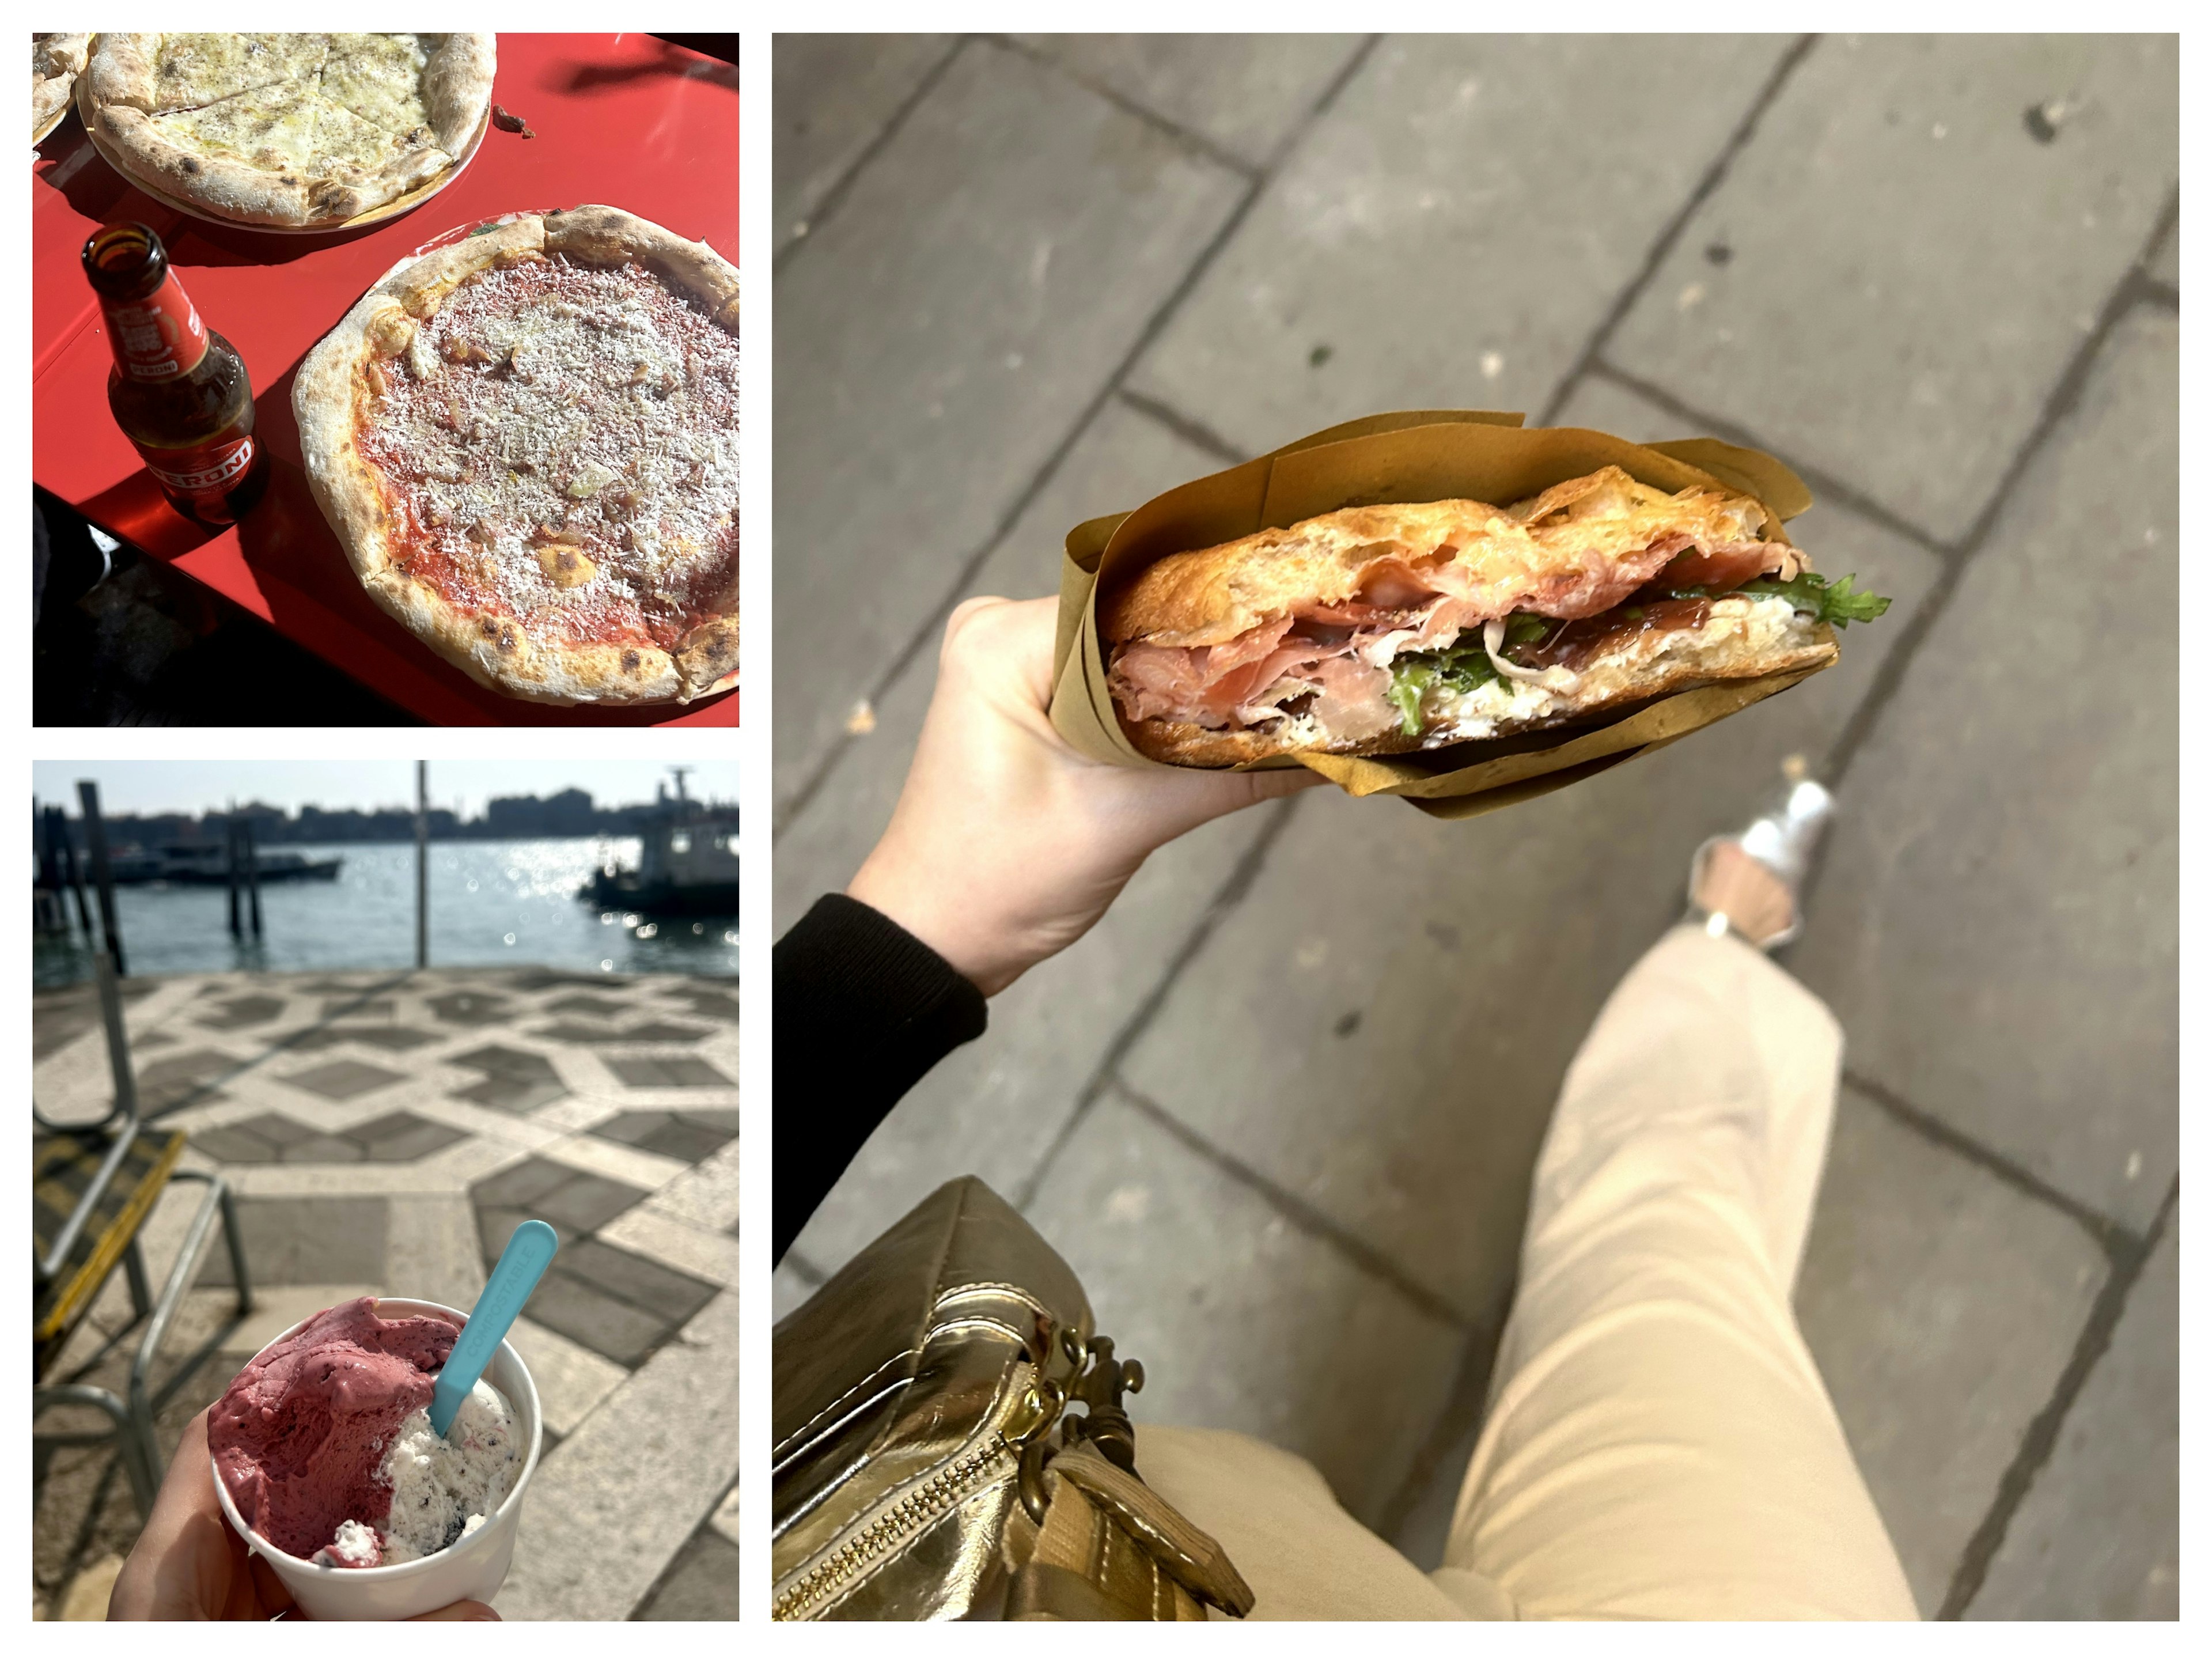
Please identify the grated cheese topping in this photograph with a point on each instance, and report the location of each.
(560, 443)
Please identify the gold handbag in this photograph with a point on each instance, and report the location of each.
(927, 1463)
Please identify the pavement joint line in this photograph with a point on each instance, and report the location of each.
(1715, 174)
(933, 621)
(1226, 899)
(2164, 295)
(2041, 1436)
(808, 1271)
(1825, 485)
(1193, 431)
(1463, 1408)
(2115, 1240)
(644, 1604)
(1194, 144)
(834, 196)
(2058, 407)
(207, 1088)
(1363, 1256)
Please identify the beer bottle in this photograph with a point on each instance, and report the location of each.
(178, 389)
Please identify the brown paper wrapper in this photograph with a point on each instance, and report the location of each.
(1391, 458)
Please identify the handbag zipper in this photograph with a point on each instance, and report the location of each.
(911, 1512)
(1036, 1408)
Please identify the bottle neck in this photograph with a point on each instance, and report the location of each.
(158, 338)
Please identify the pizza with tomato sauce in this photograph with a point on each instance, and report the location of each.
(527, 443)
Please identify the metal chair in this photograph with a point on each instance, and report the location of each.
(93, 1187)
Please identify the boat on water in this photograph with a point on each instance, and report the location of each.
(210, 864)
(687, 867)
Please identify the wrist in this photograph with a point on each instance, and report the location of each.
(925, 911)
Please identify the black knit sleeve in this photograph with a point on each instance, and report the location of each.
(863, 1010)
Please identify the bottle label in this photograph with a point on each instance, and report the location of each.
(202, 474)
(161, 337)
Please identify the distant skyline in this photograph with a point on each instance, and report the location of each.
(157, 786)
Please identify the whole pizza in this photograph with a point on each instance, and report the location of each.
(527, 442)
(295, 130)
(56, 62)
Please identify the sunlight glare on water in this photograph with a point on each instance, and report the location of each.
(492, 902)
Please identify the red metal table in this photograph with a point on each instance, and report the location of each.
(626, 119)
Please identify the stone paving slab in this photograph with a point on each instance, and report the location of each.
(1875, 316)
(937, 339)
(1242, 1320)
(1450, 231)
(1242, 93)
(332, 1208)
(2099, 1535)
(614, 1504)
(1942, 1306)
(1996, 924)
(834, 96)
(995, 1107)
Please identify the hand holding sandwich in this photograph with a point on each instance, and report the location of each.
(1007, 844)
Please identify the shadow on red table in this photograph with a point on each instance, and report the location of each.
(667, 60)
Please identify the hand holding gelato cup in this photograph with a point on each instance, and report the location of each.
(324, 1461)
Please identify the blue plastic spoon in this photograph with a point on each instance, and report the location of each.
(513, 1278)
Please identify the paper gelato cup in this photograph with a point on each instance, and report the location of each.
(473, 1567)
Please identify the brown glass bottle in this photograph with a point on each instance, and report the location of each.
(178, 389)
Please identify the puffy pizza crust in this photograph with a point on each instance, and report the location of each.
(327, 396)
(56, 62)
(239, 124)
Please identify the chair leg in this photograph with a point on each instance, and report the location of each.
(133, 1269)
(138, 1422)
(236, 1240)
(137, 1461)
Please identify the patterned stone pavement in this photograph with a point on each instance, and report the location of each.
(1284, 1136)
(384, 1134)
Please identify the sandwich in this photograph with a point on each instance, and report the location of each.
(1392, 629)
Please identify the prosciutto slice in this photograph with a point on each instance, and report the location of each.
(1331, 661)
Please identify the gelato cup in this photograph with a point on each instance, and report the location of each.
(473, 1567)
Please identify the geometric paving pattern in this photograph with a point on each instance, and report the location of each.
(647, 1033)
(275, 1138)
(383, 1133)
(469, 1009)
(608, 1299)
(689, 1135)
(243, 1011)
(517, 1081)
(671, 1071)
(164, 1085)
(383, 1039)
(344, 1081)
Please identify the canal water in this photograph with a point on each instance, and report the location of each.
(492, 902)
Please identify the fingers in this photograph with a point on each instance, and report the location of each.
(463, 1610)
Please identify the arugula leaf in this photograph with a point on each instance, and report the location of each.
(1410, 678)
(1463, 667)
(1809, 594)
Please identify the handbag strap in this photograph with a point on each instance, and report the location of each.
(1111, 1548)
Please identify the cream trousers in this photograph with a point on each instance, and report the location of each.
(1658, 1443)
